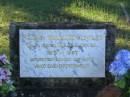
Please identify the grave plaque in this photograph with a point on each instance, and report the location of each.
(61, 59)
(62, 53)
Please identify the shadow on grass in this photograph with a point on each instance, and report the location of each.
(46, 10)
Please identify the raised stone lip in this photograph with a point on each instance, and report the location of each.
(64, 24)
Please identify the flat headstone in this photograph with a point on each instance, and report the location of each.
(62, 56)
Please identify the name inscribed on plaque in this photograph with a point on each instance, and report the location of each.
(62, 52)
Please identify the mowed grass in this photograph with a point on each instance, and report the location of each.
(64, 11)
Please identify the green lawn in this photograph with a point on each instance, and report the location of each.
(62, 11)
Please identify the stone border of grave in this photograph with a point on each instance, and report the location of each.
(58, 83)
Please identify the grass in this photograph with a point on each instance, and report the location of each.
(62, 11)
